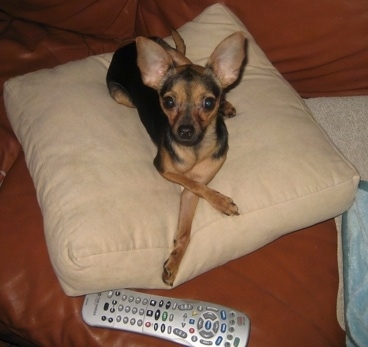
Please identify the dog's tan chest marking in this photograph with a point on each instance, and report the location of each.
(189, 157)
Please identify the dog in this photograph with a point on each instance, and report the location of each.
(182, 106)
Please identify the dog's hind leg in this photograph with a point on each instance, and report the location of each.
(119, 94)
(229, 109)
(188, 205)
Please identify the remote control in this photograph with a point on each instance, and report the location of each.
(187, 322)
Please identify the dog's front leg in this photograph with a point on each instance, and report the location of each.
(219, 201)
(188, 205)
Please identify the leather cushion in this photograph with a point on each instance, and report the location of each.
(319, 48)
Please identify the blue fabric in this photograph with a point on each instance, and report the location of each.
(355, 259)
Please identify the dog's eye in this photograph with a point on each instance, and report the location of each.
(209, 103)
(168, 102)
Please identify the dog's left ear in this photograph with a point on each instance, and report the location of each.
(153, 62)
(227, 59)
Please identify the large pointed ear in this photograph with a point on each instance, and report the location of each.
(153, 62)
(227, 59)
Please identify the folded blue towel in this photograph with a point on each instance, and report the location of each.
(355, 260)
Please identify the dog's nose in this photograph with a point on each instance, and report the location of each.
(186, 131)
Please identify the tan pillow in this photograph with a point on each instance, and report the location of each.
(110, 218)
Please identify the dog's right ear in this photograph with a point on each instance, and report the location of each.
(153, 62)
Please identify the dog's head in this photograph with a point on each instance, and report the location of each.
(190, 95)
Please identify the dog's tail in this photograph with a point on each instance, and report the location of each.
(179, 42)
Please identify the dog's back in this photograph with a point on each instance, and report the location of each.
(125, 86)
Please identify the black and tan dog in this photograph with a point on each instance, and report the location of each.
(182, 107)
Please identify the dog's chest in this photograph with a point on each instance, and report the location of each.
(190, 157)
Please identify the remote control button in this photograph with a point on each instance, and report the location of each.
(127, 309)
(124, 297)
(147, 324)
(132, 321)
(206, 334)
(223, 314)
(223, 327)
(236, 342)
(153, 302)
(140, 322)
(169, 329)
(200, 308)
(168, 304)
(157, 314)
(185, 307)
(200, 323)
(205, 342)
(161, 303)
(211, 308)
(171, 317)
(191, 330)
(112, 310)
(192, 321)
(131, 299)
(145, 301)
(120, 307)
(106, 306)
(110, 320)
(110, 294)
(180, 333)
(175, 305)
(155, 326)
(218, 341)
(134, 310)
(117, 293)
(216, 326)
(241, 320)
(208, 325)
(164, 316)
(227, 344)
(229, 337)
(114, 302)
(138, 300)
(149, 313)
(163, 327)
(125, 320)
(103, 318)
(118, 319)
(141, 311)
(210, 315)
(194, 338)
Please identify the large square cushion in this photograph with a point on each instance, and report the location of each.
(110, 218)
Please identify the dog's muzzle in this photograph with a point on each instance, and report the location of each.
(187, 135)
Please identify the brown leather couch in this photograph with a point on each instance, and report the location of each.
(288, 288)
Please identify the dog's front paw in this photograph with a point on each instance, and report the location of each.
(230, 208)
(229, 110)
(224, 204)
(170, 269)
